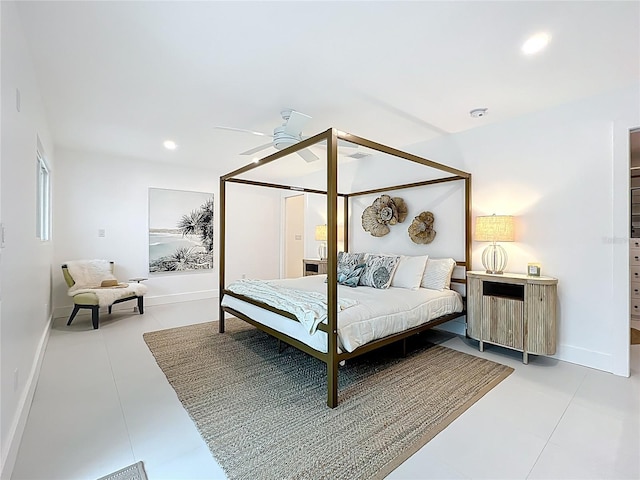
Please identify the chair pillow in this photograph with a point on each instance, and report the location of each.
(409, 272)
(379, 270)
(437, 274)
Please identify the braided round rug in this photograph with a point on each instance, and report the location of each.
(263, 414)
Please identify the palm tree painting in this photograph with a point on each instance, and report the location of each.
(180, 230)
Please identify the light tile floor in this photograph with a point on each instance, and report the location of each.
(102, 403)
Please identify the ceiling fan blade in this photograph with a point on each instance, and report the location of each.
(308, 155)
(257, 149)
(243, 130)
(295, 123)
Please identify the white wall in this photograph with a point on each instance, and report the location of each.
(25, 276)
(564, 173)
(97, 191)
(445, 201)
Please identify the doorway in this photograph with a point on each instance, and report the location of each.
(293, 236)
(634, 248)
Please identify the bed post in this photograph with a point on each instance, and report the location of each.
(222, 254)
(332, 262)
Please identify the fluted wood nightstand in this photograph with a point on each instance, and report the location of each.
(514, 311)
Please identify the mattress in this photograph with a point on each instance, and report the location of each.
(377, 313)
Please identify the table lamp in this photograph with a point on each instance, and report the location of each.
(495, 228)
(321, 236)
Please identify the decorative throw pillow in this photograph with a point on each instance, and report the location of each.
(379, 270)
(351, 277)
(409, 272)
(348, 261)
(437, 274)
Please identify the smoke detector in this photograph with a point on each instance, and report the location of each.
(478, 112)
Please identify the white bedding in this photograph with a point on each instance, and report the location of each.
(377, 314)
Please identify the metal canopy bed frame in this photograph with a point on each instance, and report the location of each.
(333, 357)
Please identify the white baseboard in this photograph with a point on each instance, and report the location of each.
(24, 405)
(148, 301)
(180, 297)
(587, 358)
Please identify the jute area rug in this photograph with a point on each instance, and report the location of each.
(263, 414)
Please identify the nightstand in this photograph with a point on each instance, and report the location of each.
(313, 266)
(514, 311)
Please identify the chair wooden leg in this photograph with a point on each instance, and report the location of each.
(95, 312)
(73, 314)
(110, 309)
(141, 305)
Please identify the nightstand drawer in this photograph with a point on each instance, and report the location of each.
(634, 243)
(634, 256)
(635, 273)
(635, 307)
(635, 290)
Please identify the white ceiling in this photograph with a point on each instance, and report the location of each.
(121, 77)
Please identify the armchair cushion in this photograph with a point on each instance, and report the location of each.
(89, 273)
(86, 277)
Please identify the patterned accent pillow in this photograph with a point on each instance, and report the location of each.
(437, 274)
(348, 261)
(351, 277)
(379, 270)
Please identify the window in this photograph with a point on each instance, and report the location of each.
(43, 225)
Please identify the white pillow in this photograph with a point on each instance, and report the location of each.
(437, 274)
(409, 272)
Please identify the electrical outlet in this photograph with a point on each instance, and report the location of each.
(244, 275)
(101, 232)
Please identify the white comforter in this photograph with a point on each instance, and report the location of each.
(377, 314)
(309, 307)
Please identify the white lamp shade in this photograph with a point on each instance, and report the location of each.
(495, 228)
(321, 233)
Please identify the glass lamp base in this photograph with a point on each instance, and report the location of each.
(494, 259)
(322, 251)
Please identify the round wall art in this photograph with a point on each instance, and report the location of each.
(384, 211)
(421, 229)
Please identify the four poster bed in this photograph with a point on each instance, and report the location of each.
(354, 321)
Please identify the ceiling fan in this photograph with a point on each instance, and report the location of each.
(289, 133)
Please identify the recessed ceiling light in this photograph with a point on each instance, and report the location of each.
(170, 145)
(535, 43)
(478, 112)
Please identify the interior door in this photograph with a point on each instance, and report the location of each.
(293, 236)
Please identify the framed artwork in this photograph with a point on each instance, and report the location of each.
(533, 269)
(180, 230)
